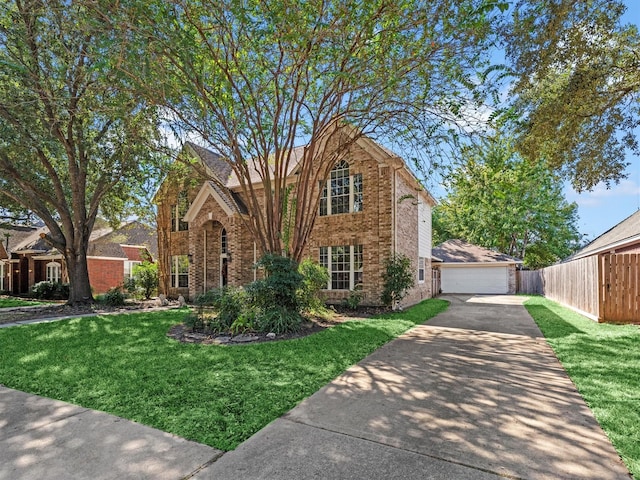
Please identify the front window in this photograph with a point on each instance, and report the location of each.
(178, 211)
(421, 269)
(128, 268)
(53, 272)
(342, 193)
(179, 271)
(345, 266)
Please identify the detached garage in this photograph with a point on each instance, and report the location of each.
(467, 268)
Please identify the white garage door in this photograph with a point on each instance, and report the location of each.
(474, 280)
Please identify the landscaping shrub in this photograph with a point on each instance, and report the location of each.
(114, 297)
(352, 302)
(275, 297)
(146, 278)
(50, 290)
(398, 279)
(314, 279)
(228, 303)
(278, 319)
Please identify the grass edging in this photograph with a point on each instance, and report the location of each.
(603, 361)
(217, 395)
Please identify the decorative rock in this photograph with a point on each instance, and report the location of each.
(221, 340)
(162, 300)
(242, 338)
(181, 301)
(271, 335)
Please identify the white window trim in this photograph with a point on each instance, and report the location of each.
(54, 272)
(2, 287)
(352, 194)
(352, 270)
(128, 267)
(175, 274)
(421, 268)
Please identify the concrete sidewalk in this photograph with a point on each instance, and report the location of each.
(43, 439)
(476, 393)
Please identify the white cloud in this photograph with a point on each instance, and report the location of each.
(601, 195)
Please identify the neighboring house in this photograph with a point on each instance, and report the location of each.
(373, 206)
(26, 259)
(623, 238)
(601, 280)
(467, 268)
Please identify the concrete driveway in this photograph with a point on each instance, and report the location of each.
(476, 393)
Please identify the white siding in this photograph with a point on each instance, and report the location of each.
(424, 230)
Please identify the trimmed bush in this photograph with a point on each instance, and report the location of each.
(398, 279)
(314, 279)
(50, 290)
(228, 303)
(114, 297)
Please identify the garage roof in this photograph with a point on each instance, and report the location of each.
(459, 251)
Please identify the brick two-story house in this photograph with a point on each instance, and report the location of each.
(373, 206)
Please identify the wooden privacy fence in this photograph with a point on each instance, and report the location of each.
(620, 287)
(529, 281)
(605, 288)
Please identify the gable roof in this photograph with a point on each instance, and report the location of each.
(624, 233)
(23, 238)
(132, 233)
(459, 251)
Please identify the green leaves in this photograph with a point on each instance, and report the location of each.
(499, 200)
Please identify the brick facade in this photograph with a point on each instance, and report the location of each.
(105, 273)
(388, 222)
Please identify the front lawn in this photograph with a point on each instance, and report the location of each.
(603, 361)
(216, 395)
(16, 302)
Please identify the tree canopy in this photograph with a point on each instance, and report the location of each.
(577, 86)
(499, 200)
(74, 140)
(253, 79)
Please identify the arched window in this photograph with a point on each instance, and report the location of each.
(342, 193)
(223, 241)
(53, 272)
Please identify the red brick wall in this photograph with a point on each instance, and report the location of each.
(105, 274)
(134, 253)
(629, 249)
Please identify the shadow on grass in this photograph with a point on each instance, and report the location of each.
(603, 360)
(551, 324)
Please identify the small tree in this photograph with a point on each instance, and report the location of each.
(398, 279)
(146, 277)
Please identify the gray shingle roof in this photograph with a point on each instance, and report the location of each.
(459, 251)
(132, 233)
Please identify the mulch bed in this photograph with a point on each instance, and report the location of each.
(185, 334)
(62, 310)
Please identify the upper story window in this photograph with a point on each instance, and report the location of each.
(53, 272)
(178, 211)
(342, 193)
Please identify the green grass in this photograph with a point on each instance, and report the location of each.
(603, 360)
(216, 395)
(15, 302)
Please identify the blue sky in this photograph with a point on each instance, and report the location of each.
(602, 209)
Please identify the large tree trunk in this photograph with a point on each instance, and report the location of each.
(80, 289)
